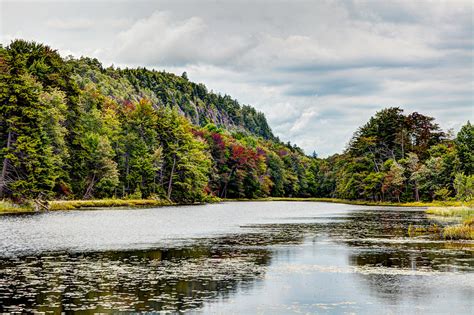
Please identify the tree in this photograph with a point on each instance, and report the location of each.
(372, 185)
(413, 166)
(421, 134)
(185, 159)
(379, 135)
(28, 162)
(94, 172)
(464, 185)
(394, 179)
(465, 148)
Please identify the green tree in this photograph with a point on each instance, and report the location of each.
(413, 166)
(465, 148)
(464, 185)
(29, 166)
(394, 179)
(94, 172)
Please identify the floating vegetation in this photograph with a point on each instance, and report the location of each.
(432, 230)
(193, 274)
(99, 282)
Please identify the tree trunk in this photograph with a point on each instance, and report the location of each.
(88, 192)
(127, 172)
(417, 193)
(403, 147)
(224, 190)
(170, 183)
(3, 182)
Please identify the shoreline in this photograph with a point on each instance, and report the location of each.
(414, 204)
(462, 212)
(65, 205)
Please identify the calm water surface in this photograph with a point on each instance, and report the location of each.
(232, 258)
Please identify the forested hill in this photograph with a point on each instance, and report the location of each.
(72, 129)
(193, 100)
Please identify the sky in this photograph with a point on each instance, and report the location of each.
(317, 69)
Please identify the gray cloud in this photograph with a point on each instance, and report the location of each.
(317, 69)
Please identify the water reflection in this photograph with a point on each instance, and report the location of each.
(381, 238)
(346, 261)
(173, 279)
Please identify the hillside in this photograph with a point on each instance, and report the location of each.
(72, 129)
(192, 100)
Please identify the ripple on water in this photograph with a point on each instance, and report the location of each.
(196, 271)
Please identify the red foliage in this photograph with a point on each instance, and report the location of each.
(198, 133)
(282, 152)
(128, 106)
(242, 156)
(261, 152)
(218, 141)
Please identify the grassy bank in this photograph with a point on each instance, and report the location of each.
(58, 205)
(105, 203)
(9, 207)
(365, 202)
(463, 214)
(462, 211)
(437, 206)
(463, 231)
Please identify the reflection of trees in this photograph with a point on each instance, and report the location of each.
(379, 240)
(163, 279)
(171, 279)
(373, 234)
(376, 224)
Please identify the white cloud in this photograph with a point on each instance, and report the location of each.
(162, 40)
(317, 69)
(71, 24)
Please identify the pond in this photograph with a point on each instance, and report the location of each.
(232, 258)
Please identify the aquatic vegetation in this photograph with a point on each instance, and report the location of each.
(459, 232)
(462, 211)
(469, 221)
(189, 274)
(465, 230)
(433, 230)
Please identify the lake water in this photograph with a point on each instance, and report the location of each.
(232, 258)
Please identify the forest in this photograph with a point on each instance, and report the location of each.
(71, 128)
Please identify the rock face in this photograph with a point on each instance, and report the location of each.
(192, 100)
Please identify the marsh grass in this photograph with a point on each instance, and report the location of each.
(459, 232)
(462, 211)
(105, 203)
(464, 230)
(58, 205)
(452, 203)
(7, 206)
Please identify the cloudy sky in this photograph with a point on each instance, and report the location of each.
(317, 69)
